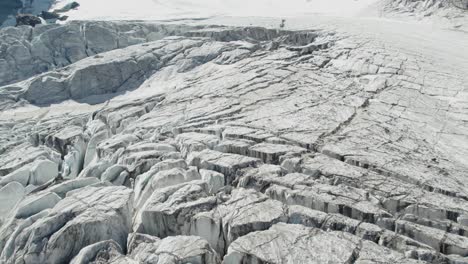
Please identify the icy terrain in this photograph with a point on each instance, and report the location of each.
(201, 132)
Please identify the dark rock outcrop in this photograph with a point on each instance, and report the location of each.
(27, 20)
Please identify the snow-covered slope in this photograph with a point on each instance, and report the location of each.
(334, 138)
(172, 9)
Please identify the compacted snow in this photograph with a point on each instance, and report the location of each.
(176, 9)
(236, 132)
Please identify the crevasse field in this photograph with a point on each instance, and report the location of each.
(235, 132)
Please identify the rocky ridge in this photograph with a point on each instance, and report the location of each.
(209, 144)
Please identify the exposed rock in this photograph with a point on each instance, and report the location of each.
(49, 15)
(27, 20)
(68, 7)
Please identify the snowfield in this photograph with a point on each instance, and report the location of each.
(235, 132)
(176, 9)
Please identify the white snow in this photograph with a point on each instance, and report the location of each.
(176, 9)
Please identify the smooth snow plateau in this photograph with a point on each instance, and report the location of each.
(176, 9)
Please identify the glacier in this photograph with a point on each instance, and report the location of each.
(237, 133)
